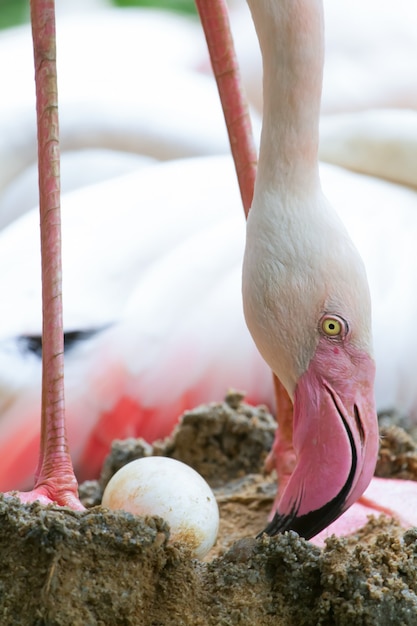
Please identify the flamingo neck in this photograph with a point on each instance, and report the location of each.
(291, 37)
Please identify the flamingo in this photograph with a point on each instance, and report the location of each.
(305, 291)
(321, 353)
(132, 302)
(116, 311)
(126, 327)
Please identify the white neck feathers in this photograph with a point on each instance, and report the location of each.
(291, 36)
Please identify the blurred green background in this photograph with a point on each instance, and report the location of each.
(14, 12)
(182, 6)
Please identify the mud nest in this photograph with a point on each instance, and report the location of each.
(63, 567)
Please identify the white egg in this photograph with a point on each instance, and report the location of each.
(172, 490)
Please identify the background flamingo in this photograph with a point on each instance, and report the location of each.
(118, 309)
(102, 108)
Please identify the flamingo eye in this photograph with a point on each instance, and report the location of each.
(333, 326)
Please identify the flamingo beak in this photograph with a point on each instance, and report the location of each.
(335, 439)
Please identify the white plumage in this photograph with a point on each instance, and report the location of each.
(167, 269)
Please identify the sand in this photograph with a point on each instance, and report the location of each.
(63, 567)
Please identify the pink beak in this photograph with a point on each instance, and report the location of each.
(335, 439)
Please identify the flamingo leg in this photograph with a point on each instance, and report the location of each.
(216, 25)
(282, 456)
(54, 479)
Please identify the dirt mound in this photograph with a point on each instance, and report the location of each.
(63, 567)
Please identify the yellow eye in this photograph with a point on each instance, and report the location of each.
(333, 326)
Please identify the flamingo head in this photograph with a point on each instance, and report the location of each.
(307, 306)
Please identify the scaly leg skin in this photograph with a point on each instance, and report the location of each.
(54, 479)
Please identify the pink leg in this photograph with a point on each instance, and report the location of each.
(54, 480)
(282, 456)
(215, 20)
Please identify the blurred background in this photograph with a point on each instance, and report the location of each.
(13, 12)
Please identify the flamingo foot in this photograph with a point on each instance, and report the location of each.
(45, 496)
(59, 487)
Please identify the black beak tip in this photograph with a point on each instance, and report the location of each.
(308, 525)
